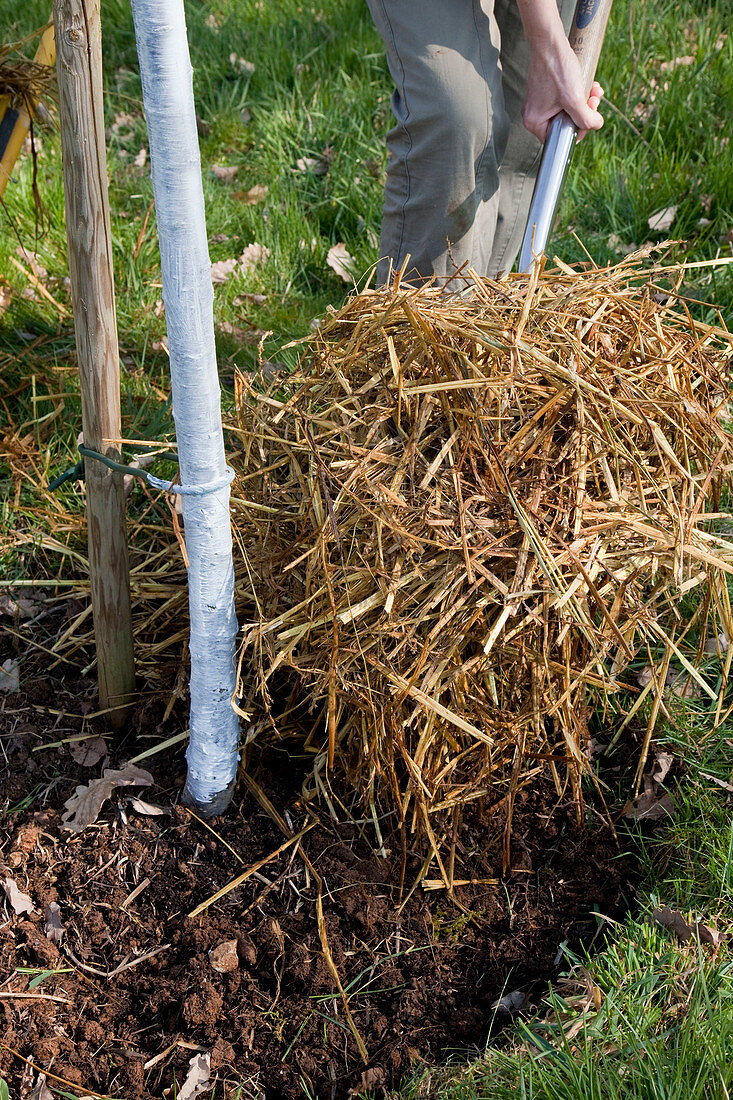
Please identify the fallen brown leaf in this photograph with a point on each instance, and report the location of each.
(222, 269)
(41, 1090)
(19, 901)
(149, 809)
(720, 782)
(197, 1079)
(246, 68)
(224, 172)
(9, 676)
(6, 297)
(662, 220)
(649, 806)
(674, 921)
(340, 261)
(82, 809)
(88, 752)
(663, 761)
(256, 194)
(253, 254)
(54, 927)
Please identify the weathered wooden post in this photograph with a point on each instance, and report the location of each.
(79, 72)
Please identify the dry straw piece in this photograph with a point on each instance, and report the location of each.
(468, 520)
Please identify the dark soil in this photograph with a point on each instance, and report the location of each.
(420, 979)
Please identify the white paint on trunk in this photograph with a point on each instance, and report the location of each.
(165, 68)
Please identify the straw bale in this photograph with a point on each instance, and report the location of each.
(469, 518)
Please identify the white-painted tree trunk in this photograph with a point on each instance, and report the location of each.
(165, 67)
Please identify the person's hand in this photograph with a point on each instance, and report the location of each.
(555, 84)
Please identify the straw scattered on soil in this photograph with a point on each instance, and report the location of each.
(467, 521)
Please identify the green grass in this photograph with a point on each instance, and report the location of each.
(320, 90)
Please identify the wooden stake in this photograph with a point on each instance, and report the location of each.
(79, 70)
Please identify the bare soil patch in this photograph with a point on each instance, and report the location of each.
(136, 987)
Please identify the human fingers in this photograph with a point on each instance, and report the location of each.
(593, 102)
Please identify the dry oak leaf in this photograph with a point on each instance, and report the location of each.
(339, 260)
(222, 269)
(82, 809)
(253, 254)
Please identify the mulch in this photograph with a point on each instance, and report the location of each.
(141, 986)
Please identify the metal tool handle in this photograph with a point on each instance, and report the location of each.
(586, 38)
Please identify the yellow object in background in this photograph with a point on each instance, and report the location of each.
(15, 122)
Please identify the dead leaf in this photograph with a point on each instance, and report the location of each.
(246, 68)
(123, 126)
(253, 254)
(720, 782)
(9, 676)
(673, 921)
(511, 1002)
(225, 172)
(18, 605)
(710, 935)
(338, 259)
(257, 299)
(319, 166)
(662, 220)
(197, 1079)
(649, 807)
(224, 957)
(54, 927)
(40, 1089)
(20, 902)
(147, 808)
(663, 761)
(82, 809)
(32, 260)
(222, 269)
(676, 63)
(682, 685)
(6, 297)
(255, 194)
(141, 159)
(88, 752)
(233, 330)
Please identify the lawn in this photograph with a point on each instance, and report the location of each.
(293, 106)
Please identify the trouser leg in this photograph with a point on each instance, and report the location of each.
(441, 195)
(519, 165)
(461, 165)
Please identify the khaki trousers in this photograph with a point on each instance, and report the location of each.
(461, 165)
